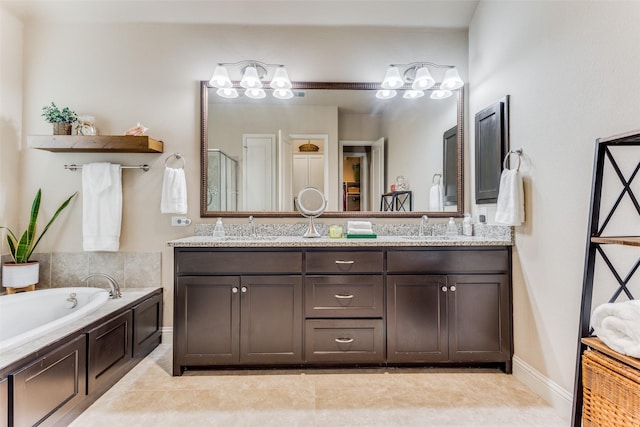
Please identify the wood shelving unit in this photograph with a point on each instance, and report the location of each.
(95, 144)
(618, 240)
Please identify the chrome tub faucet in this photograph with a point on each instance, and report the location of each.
(114, 291)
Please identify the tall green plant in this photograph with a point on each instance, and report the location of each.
(22, 249)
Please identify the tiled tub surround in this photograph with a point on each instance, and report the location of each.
(130, 269)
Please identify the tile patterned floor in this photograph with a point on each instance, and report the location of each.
(150, 396)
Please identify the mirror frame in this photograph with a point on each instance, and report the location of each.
(204, 213)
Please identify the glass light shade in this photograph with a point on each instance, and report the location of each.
(413, 94)
(440, 94)
(386, 93)
(255, 93)
(423, 79)
(282, 93)
(281, 79)
(220, 78)
(250, 79)
(392, 79)
(227, 92)
(452, 80)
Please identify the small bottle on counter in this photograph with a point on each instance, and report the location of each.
(218, 230)
(467, 227)
(452, 228)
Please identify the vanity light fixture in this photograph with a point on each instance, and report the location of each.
(418, 76)
(253, 76)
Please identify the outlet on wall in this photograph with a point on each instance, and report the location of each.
(180, 221)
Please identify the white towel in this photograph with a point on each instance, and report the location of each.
(359, 227)
(174, 191)
(435, 198)
(101, 206)
(510, 209)
(618, 326)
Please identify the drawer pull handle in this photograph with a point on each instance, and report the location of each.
(344, 262)
(344, 340)
(343, 296)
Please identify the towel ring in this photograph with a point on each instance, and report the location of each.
(177, 156)
(518, 152)
(438, 176)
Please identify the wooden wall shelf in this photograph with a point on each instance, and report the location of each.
(95, 144)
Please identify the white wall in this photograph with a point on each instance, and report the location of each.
(571, 69)
(11, 30)
(125, 73)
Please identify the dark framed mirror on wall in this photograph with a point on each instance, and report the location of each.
(492, 145)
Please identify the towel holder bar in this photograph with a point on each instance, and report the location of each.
(176, 156)
(509, 153)
(74, 167)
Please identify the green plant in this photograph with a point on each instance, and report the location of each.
(22, 249)
(53, 114)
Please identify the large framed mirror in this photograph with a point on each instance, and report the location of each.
(370, 157)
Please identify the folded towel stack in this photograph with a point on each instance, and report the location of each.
(359, 227)
(618, 326)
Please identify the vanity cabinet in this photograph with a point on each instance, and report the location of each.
(237, 307)
(147, 326)
(456, 318)
(49, 387)
(319, 306)
(344, 306)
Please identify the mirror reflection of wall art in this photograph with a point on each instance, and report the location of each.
(311, 203)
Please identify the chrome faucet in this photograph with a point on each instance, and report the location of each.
(423, 222)
(113, 284)
(252, 227)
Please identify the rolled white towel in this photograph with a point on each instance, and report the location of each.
(618, 326)
(359, 231)
(359, 224)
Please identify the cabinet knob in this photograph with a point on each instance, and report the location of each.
(452, 288)
(444, 289)
(244, 289)
(234, 289)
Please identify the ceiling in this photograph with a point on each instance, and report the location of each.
(446, 14)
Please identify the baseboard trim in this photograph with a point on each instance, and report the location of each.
(167, 334)
(559, 398)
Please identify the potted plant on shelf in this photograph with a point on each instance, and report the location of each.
(22, 272)
(61, 119)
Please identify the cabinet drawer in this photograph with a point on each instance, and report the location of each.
(345, 262)
(344, 341)
(237, 262)
(344, 296)
(449, 261)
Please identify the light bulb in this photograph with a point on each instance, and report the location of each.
(250, 79)
(452, 80)
(413, 94)
(255, 93)
(392, 79)
(282, 93)
(281, 79)
(385, 94)
(423, 79)
(227, 92)
(220, 78)
(440, 94)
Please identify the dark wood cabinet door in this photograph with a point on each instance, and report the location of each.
(109, 350)
(490, 149)
(206, 321)
(479, 309)
(48, 388)
(271, 319)
(416, 318)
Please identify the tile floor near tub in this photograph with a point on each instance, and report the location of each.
(150, 396)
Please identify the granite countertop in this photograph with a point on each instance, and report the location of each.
(293, 241)
(129, 295)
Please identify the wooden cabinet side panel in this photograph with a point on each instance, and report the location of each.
(147, 324)
(416, 318)
(4, 402)
(271, 319)
(109, 350)
(45, 390)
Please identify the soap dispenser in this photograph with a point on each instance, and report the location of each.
(218, 230)
(452, 228)
(467, 227)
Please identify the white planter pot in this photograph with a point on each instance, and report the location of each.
(20, 275)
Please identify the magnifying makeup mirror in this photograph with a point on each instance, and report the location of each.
(311, 203)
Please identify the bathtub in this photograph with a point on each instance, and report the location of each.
(29, 315)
